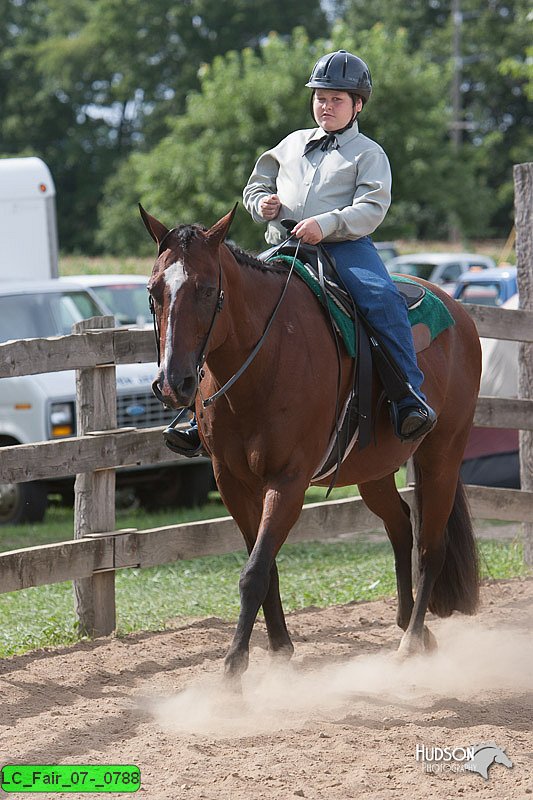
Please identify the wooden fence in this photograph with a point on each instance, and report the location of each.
(98, 550)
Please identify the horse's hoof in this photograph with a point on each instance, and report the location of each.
(430, 642)
(281, 654)
(412, 645)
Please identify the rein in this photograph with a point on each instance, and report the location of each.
(209, 400)
(218, 307)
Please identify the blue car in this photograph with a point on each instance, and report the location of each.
(489, 287)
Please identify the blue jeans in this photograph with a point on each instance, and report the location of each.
(365, 276)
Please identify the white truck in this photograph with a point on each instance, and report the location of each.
(37, 408)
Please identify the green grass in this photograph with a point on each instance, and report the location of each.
(319, 574)
(85, 265)
(89, 265)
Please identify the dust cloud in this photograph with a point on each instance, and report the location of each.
(471, 661)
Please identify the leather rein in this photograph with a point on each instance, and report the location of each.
(200, 374)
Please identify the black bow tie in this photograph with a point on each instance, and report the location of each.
(329, 140)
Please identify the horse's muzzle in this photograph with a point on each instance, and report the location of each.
(178, 394)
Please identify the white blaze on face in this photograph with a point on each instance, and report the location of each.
(175, 276)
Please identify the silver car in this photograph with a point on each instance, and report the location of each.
(444, 269)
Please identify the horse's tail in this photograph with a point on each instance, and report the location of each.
(457, 586)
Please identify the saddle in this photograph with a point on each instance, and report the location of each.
(356, 417)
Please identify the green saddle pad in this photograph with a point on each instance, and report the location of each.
(431, 311)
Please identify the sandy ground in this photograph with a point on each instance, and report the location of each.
(342, 721)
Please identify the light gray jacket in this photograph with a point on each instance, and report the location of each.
(347, 190)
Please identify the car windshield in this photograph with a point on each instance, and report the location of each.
(127, 301)
(418, 270)
(483, 294)
(30, 316)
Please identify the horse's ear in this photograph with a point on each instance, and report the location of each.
(155, 228)
(218, 232)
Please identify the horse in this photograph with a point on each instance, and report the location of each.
(269, 432)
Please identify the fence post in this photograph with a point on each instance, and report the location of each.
(94, 492)
(523, 190)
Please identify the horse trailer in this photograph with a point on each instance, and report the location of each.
(28, 223)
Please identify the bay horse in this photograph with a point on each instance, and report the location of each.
(269, 432)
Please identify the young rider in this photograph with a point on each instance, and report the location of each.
(336, 183)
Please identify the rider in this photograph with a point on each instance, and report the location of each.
(337, 183)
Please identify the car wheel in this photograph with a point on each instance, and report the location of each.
(22, 502)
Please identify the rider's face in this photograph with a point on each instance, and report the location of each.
(334, 109)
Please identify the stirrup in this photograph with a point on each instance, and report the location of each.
(421, 409)
(186, 443)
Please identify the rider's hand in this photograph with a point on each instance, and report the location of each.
(308, 230)
(270, 206)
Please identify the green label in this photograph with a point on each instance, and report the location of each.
(70, 778)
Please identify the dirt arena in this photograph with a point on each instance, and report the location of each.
(342, 721)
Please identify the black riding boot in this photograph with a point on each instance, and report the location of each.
(185, 442)
(413, 418)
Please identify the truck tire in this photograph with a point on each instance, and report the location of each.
(183, 487)
(22, 502)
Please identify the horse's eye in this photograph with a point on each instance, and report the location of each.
(205, 291)
(154, 296)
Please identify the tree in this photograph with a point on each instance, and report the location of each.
(83, 83)
(495, 36)
(248, 102)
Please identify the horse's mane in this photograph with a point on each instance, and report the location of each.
(187, 233)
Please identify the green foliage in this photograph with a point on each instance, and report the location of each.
(83, 83)
(495, 77)
(199, 88)
(249, 102)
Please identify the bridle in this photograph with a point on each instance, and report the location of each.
(218, 307)
(200, 374)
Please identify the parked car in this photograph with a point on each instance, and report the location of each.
(491, 287)
(123, 296)
(444, 269)
(36, 408)
(386, 250)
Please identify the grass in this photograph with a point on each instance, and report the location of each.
(85, 265)
(313, 573)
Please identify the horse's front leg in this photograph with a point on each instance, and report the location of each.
(282, 505)
(246, 507)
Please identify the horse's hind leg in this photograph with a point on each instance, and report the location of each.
(447, 555)
(382, 498)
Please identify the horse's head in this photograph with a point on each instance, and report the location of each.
(185, 295)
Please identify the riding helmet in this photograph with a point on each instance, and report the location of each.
(342, 70)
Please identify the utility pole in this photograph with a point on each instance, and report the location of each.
(457, 123)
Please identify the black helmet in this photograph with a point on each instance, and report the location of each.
(342, 70)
